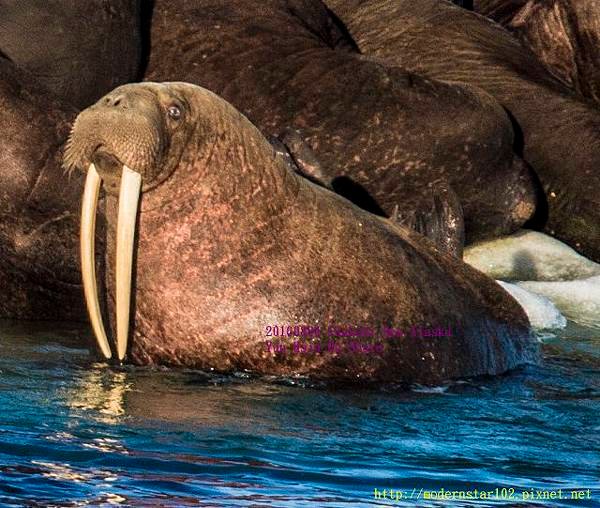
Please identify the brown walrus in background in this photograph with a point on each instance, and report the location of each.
(39, 273)
(376, 129)
(564, 35)
(230, 241)
(55, 55)
(560, 131)
(435, 211)
(77, 50)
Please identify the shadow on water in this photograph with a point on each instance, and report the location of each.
(76, 431)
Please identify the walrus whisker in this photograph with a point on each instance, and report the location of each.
(131, 184)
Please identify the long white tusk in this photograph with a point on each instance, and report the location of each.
(88, 264)
(129, 196)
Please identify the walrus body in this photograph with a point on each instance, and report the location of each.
(564, 35)
(391, 132)
(78, 50)
(39, 274)
(435, 212)
(231, 242)
(560, 137)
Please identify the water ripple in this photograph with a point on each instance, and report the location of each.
(76, 433)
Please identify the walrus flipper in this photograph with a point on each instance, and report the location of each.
(305, 161)
(436, 214)
(281, 151)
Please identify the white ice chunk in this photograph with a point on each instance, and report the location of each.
(579, 300)
(529, 255)
(542, 313)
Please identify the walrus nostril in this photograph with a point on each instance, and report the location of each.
(114, 101)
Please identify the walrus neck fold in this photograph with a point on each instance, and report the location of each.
(224, 167)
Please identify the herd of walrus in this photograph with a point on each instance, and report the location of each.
(186, 173)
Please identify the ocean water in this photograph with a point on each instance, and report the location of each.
(75, 433)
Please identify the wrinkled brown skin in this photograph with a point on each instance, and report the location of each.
(232, 241)
(291, 145)
(55, 55)
(79, 50)
(285, 63)
(435, 212)
(39, 208)
(437, 216)
(560, 131)
(564, 34)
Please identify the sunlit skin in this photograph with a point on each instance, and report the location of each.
(228, 240)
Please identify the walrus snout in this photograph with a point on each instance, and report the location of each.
(116, 100)
(109, 167)
(122, 128)
(119, 141)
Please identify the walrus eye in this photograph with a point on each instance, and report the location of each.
(174, 112)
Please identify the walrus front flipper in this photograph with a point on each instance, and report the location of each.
(299, 158)
(437, 214)
(304, 157)
(282, 151)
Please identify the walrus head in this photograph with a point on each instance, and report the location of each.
(130, 139)
(178, 146)
(138, 128)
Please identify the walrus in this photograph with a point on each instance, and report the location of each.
(557, 131)
(77, 50)
(564, 35)
(392, 133)
(229, 241)
(39, 210)
(55, 57)
(435, 212)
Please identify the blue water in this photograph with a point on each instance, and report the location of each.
(76, 433)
